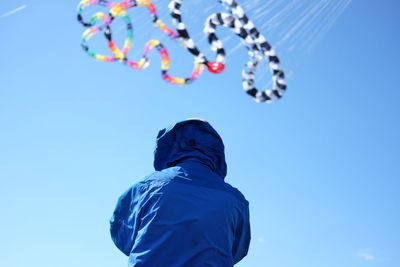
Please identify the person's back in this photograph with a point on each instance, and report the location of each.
(184, 214)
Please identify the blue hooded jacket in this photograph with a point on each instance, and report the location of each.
(184, 214)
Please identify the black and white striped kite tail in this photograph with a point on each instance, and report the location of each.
(175, 10)
(256, 56)
(248, 74)
(257, 46)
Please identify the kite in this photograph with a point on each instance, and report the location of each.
(257, 46)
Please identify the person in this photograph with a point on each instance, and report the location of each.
(184, 214)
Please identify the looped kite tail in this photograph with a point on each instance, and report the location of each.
(257, 46)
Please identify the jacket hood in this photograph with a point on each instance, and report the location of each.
(188, 141)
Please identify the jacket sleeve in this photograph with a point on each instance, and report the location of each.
(242, 236)
(124, 222)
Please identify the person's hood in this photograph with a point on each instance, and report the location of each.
(192, 140)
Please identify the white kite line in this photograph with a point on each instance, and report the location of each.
(9, 13)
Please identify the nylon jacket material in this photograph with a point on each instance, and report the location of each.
(183, 214)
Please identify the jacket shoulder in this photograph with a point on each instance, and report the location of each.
(236, 192)
(165, 175)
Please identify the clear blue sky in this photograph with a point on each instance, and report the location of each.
(320, 167)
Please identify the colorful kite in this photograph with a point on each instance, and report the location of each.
(257, 46)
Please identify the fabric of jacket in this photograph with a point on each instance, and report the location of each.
(183, 214)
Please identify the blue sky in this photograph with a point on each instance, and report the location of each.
(320, 167)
